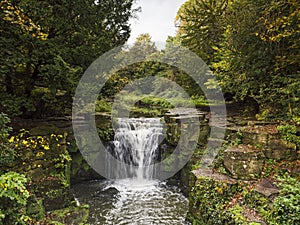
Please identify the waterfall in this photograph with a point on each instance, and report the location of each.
(136, 145)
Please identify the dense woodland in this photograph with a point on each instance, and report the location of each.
(252, 46)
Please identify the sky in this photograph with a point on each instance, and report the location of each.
(156, 18)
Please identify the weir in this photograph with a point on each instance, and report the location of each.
(136, 145)
(135, 196)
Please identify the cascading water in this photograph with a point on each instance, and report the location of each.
(135, 198)
(136, 144)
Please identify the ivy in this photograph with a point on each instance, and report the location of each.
(286, 208)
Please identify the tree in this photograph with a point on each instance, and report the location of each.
(46, 46)
(200, 26)
(259, 54)
(142, 49)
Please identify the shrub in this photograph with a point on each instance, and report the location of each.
(13, 198)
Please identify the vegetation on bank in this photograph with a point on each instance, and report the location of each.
(35, 179)
(269, 196)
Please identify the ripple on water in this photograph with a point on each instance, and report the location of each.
(133, 202)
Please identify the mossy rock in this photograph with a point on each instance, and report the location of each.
(75, 215)
(44, 130)
(81, 170)
(57, 199)
(244, 162)
(35, 208)
(280, 149)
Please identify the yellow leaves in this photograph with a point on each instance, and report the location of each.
(15, 15)
(46, 147)
(11, 140)
(219, 190)
(40, 154)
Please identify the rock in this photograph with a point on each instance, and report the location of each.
(70, 215)
(244, 162)
(270, 141)
(106, 193)
(35, 208)
(81, 170)
(36, 174)
(280, 149)
(266, 188)
(45, 129)
(211, 175)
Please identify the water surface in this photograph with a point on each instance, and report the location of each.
(128, 202)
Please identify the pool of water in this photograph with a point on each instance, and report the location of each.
(132, 202)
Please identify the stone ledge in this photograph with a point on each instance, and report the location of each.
(207, 173)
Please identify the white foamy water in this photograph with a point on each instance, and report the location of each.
(120, 203)
(136, 146)
(135, 198)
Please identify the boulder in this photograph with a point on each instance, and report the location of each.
(266, 188)
(244, 162)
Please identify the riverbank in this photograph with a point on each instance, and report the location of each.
(256, 167)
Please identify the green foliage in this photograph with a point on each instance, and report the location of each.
(46, 46)
(286, 207)
(103, 105)
(145, 49)
(200, 26)
(258, 55)
(13, 197)
(6, 151)
(252, 46)
(237, 217)
(289, 133)
(209, 199)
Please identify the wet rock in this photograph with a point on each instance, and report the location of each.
(81, 170)
(244, 162)
(112, 191)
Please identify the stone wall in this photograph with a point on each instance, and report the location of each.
(241, 181)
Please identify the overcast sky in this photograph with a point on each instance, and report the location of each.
(157, 19)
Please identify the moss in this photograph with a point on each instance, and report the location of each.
(72, 215)
(43, 130)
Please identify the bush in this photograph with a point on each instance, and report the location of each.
(13, 198)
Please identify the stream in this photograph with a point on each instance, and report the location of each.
(120, 203)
